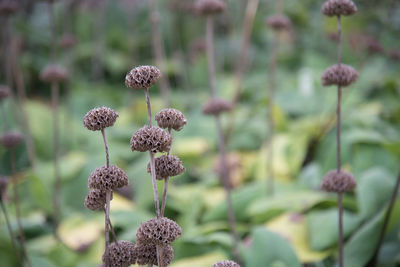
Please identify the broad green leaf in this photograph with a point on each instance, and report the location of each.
(200, 261)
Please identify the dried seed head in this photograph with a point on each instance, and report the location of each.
(121, 254)
(4, 91)
(8, 7)
(216, 106)
(147, 254)
(3, 186)
(209, 7)
(159, 231)
(54, 73)
(167, 166)
(339, 182)
(100, 118)
(374, 46)
(110, 178)
(395, 55)
(171, 118)
(151, 138)
(226, 263)
(142, 77)
(279, 22)
(68, 40)
(11, 139)
(96, 199)
(339, 7)
(342, 75)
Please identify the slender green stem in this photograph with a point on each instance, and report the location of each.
(10, 232)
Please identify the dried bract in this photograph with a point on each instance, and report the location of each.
(167, 166)
(171, 118)
(11, 139)
(338, 182)
(339, 7)
(209, 7)
(147, 254)
(96, 199)
(100, 118)
(121, 254)
(216, 106)
(159, 231)
(279, 22)
(4, 91)
(142, 77)
(226, 263)
(152, 139)
(110, 178)
(341, 75)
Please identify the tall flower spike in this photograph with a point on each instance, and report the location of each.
(100, 118)
(226, 263)
(54, 73)
(147, 254)
(279, 22)
(167, 166)
(4, 91)
(216, 106)
(142, 77)
(121, 254)
(11, 139)
(339, 7)
(96, 199)
(341, 75)
(209, 7)
(171, 118)
(110, 178)
(158, 231)
(152, 139)
(338, 182)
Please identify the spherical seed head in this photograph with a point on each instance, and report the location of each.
(121, 254)
(167, 166)
(11, 139)
(110, 178)
(3, 185)
(279, 22)
(151, 138)
(209, 7)
(171, 118)
(147, 254)
(338, 182)
(54, 73)
(8, 7)
(99, 118)
(342, 75)
(374, 46)
(339, 7)
(216, 106)
(226, 263)
(68, 40)
(142, 77)
(96, 199)
(4, 91)
(159, 231)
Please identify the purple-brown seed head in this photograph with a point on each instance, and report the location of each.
(110, 178)
(121, 254)
(152, 139)
(159, 231)
(226, 263)
(96, 199)
(216, 106)
(167, 166)
(341, 75)
(142, 77)
(147, 254)
(339, 7)
(279, 22)
(11, 139)
(99, 118)
(209, 7)
(338, 182)
(54, 73)
(4, 91)
(170, 118)
(8, 7)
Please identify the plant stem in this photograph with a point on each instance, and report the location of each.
(98, 56)
(52, 31)
(107, 230)
(164, 199)
(154, 182)
(340, 206)
(112, 231)
(5, 118)
(210, 54)
(14, 245)
(103, 133)
(148, 105)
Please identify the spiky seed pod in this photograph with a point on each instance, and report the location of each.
(96, 199)
(279, 22)
(216, 106)
(54, 73)
(68, 40)
(338, 182)
(339, 7)
(171, 118)
(11, 139)
(226, 263)
(3, 186)
(167, 166)
(342, 75)
(142, 77)
(121, 254)
(110, 178)
(209, 7)
(100, 118)
(4, 91)
(152, 139)
(8, 7)
(159, 231)
(147, 254)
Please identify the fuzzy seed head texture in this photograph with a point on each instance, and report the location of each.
(338, 182)
(3, 186)
(110, 178)
(279, 22)
(99, 118)
(209, 7)
(54, 73)
(341, 75)
(8, 7)
(142, 77)
(339, 7)
(11, 139)
(96, 199)
(216, 106)
(4, 91)
(171, 118)
(226, 263)
(151, 138)
(159, 231)
(121, 254)
(147, 254)
(167, 166)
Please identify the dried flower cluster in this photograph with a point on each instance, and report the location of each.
(170, 118)
(167, 166)
(11, 139)
(96, 199)
(121, 254)
(226, 263)
(8, 7)
(279, 22)
(147, 254)
(152, 139)
(4, 91)
(341, 75)
(339, 7)
(142, 77)
(100, 118)
(216, 106)
(338, 182)
(54, 73)
(209, 7)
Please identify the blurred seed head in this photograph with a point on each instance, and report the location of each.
(100, 118)
(3, 186)
(341, 75)
(67, 41)
(11, 139)
(233, 164)
(338, 182)
(142, 77)
(374, 46)
(167, 166)
(209, 7)
(121, 254)
(395, 55)
(279, 22)
(96, 199)
(110, 178)
(171, 118)
(4, 91)
(54, 73)
(338, 7)
(8, 7)
(226, 263)
(158, 231)
(147, 254)
(151, 138)
(216, 106)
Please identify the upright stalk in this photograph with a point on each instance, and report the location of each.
(108, 199)
(98, 56)
(166, 181)
(12, 237)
